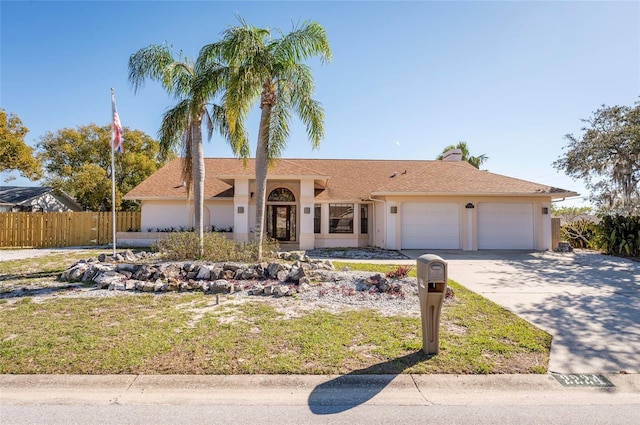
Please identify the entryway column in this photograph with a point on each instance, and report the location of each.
(470, 227)
(241, 210)
(307, 237)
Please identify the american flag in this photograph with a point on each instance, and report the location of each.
(116, 128)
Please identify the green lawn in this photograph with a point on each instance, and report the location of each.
(189, 333)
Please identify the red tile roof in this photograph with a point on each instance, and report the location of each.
(348, 179)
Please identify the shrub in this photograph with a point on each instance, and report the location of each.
(399, 273)
(182, 246)
(579, 233)
(619, 235)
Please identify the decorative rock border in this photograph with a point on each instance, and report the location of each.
(128, 272)
(125, 273)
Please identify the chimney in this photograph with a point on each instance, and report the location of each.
(452, 155)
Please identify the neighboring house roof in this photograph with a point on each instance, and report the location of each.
(348, 179)
(17, 196)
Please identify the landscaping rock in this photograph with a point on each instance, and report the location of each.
(130, 284)
(104, 279)
(256, 289)
(282, 275)
(75, 273)
(126, 267)
(204, 273)
(173, 284)
(90, 273)
(220, 286)
(146, 272)
(129, 256)
(564, 247)
(295, 274)
(273, 269)
(148, 286)
(304, 280)
(281, 290)
(117, 286)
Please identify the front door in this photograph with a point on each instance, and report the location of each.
(280, 222)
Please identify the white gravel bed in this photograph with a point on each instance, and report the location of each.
(336, 295)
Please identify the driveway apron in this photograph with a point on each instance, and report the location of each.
(589, 303)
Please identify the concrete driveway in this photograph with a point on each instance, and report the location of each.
(589, 302)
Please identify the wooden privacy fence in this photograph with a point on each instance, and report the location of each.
(55, 229)
(555, 232)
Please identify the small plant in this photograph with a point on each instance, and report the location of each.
(399, 273)
(222, 229)
(181, 246)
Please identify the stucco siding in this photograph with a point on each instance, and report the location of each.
(220, 215)
(164, 214)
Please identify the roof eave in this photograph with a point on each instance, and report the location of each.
(172, 198)
(272, 176)
(505, 194)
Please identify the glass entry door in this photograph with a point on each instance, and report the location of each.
(281, 222)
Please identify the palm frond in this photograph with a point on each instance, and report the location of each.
(177, 79)
(308, 110)
(279, 124)
(174, 124)
(187, 156)
(303, 42)
(149, 63)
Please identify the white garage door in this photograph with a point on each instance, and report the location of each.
(430, 226)
(505, 226)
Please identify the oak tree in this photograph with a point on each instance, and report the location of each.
(78, 161)
(15, 154)
(607, 158)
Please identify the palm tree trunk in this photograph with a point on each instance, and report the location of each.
(198, 180)
(261, 176)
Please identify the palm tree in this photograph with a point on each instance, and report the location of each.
(192, 86)
(272, 70)
(476, 161)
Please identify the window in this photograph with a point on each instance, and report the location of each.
(317, 214)
(340, 218)
(281, 195)
(364, 218)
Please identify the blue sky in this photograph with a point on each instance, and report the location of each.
(406, 79)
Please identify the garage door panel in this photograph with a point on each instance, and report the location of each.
(505, 226)
(430, 226)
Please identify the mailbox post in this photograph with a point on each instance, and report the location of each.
(432, 287)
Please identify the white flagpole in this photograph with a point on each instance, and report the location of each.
(113, 175)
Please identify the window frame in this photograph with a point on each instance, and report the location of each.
(364, 219)
(317, 218)
(338, 223)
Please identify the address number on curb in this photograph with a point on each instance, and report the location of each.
(582, 380)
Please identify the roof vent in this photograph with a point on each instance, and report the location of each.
(452, 155)
(395, 173)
